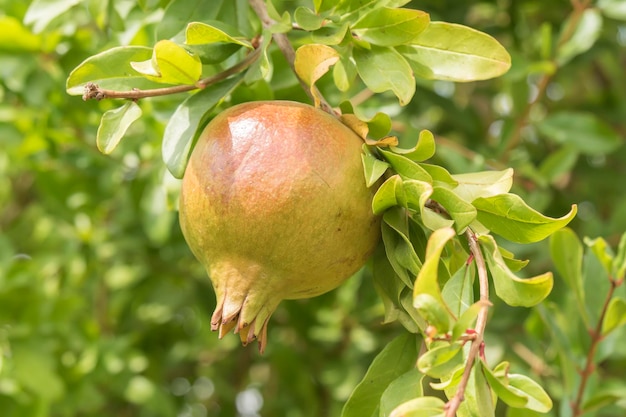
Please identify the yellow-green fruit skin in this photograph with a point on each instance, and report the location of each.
(274, 204)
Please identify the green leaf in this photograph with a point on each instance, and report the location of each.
(397, 358)
(440, 175)
(344, 74)
(582, 131)
(307, 19)
(384, 69)
(187, 122)
(373, 168)
(424, 148)
(198, 33)
(427, 279)
(588, 27)
(448, 51)
(615, 315)
(433, 311)
(111, 70)
(478, 396)
(513, 290)
(385, 196)
(441, 360)
(458, 292)
(420, 407)
(619, 264)
(114, 124)
(508, 216)
(401, 390)
(170, 64)
(262, 67)
(603, 252)
(462, 212)
(385, 26)
(41, 12)
(405, 167)
(567, 254)
(400, 252)
(558, 164)
(500, 386)
(509, 258)
(312, 62)
(483, 184)
(467, 319)
(615, 9)
(538, 400)
(330, 35)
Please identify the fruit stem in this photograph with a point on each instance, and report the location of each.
(283, 43)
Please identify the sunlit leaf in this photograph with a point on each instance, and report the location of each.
(513, 290)
(114, 125)
(588, 27)
(603, 252)
(420, 407)
(406, 167)
(462, 212)
(615, 9)
(458, 292)
(330, 35)
(307, 19)
(448, 51)
(500, 385)
(538, 399)
(185, 125)
(427, 280)
(508, 216)
(615, 315)
(509, 258)
(467, 319)
(111, 70)
(619, 264)
(389, 27)
(483, 184)
(170, 64)
(198, 33)
(441, 360)
(312, 62)
(385, 196)
(41, 13)
(384, 69)
(424, 148)
(395, 359)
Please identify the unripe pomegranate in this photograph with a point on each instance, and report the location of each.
(274, 205)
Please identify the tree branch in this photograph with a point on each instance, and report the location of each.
(93, 91)
(481, 322)
(285, 47)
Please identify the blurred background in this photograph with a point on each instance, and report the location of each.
(105, 312)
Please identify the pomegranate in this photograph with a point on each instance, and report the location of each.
(274, 205)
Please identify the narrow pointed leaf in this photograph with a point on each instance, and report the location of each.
(466, 320)
(389, 27)
(603, 252)
(448, 51)
(458, 292)
(433, 311)
(440, 175)
(114, 125)
(567, 254)
(615, 315)
(619, 264)
(513, 290)
(307, 19)
(500, 387)
(508, 216)
(427, 279)
(198, 33)
(385, 196)
(384, 69)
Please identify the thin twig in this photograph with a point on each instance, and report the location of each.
(579, 7)
(93, 91)
(481, 322)
(283, 43)
(596, 338)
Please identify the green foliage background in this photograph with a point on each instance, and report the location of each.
(104, 311)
